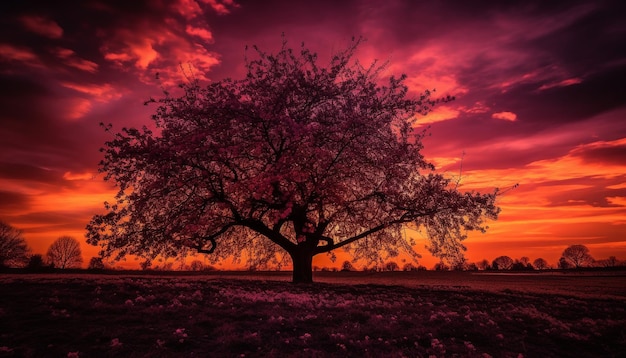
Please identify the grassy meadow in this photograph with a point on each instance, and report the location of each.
(399, 314)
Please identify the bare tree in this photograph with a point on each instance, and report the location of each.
(612, 261)
(35, 262)
(564, 263)
(540, 264)
(391, 266)
(196, 265)
(13, 248)
(145, 265)
(502, 263)
(294, 160)
(96, 263)
(483, 265)
(409, 267)
(347, 266)
(64, 253)
(441, 266)
(578, 256)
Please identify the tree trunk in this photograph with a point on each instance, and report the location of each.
(302, 260)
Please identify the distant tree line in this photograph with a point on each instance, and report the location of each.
(65, 253)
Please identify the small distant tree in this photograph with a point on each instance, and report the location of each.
(459, 264)
(409, 267)
(167, 266)
(522, 264)
(35, 262)
(13, 248)
(196, 265)
(540, 264)
(483, 265)
(564, 263)
(65, 253)
(578, 256)
(502, 263)
(96, 263)
(145, 265)
(471, 267)
(441, 266)
(612, 261)
(391, 266)
(294, 160)
(347, 266)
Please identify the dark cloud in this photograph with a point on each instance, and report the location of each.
(12, 201)
(603, 153)
(20, 171)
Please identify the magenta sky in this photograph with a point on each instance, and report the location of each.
(539, 84)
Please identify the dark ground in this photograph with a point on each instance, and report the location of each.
(444, 314)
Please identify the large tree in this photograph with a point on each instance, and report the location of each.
(578, 256)
(65, 252)
(13, 248)
(294, 160)
(502, 263)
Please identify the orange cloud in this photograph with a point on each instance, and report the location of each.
(221, 7)
(78, 176)
(439, 114)
(507, 116)
(132, 46)
(201, 33)
(42, 26)
(563, 83)
(19, 54)
(161, 50)
(101, 93)
(189, 9)
(77, 108)
(70, 59)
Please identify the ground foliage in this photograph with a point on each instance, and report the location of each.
(86, 316)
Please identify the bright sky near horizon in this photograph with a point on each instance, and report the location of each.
(539, 85)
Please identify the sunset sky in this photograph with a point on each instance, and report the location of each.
(539, 85)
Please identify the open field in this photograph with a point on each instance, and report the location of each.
(417, 314)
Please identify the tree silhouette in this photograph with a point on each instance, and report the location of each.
(540, 264)
(578, 256)
(35, 262)
(391, 266)
(13, 248)
(347, 266)
(502, 263)
(409, 267)
(96, 263)
(564, 263)
(292, 161)
(483, 265)
(196, 265)
(64, 253)
(610, 262)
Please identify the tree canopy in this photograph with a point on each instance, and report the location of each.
(64, 253)
(13, 248)
(293, 160)
(578, 256)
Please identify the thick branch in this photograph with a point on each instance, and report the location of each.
(407, 217)
(274, 236)
(211, 239)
